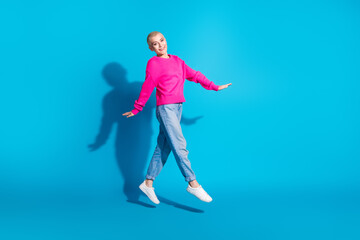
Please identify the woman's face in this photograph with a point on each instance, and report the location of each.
(158, 44)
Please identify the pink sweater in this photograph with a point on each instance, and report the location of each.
(168, 76)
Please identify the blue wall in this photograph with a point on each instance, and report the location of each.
(289, 121)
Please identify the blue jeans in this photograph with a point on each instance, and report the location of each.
(170, 138)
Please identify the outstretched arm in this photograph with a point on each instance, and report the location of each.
(198, 77)
(145, 93)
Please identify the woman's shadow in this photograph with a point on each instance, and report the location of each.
(133, 135)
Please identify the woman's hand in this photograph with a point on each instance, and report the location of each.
(224, 86)
(128, 114)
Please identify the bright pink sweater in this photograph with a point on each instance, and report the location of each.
(168, 76)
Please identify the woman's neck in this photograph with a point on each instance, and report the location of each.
(164, 56)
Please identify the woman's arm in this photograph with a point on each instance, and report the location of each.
(145, 93)
(198, 77)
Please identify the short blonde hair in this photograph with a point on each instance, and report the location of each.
(152, 34)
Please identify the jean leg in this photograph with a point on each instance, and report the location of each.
(169, 118)
(159, 157)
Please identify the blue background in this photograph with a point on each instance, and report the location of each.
(278, 150)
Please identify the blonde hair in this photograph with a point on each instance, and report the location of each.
(154, 33)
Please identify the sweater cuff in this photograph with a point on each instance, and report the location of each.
(214, 87)
(134, 111)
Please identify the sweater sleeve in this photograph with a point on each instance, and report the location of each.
(198, 77)
(145, 93)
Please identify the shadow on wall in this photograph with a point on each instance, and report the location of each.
(133, 135)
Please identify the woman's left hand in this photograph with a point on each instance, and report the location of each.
(224, 86)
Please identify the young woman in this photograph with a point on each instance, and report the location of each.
(167, 73)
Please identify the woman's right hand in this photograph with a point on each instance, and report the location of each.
(128, 114)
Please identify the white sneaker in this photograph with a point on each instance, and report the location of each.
(149, 192)
(200, 193)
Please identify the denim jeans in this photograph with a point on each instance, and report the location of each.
(170, 138)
